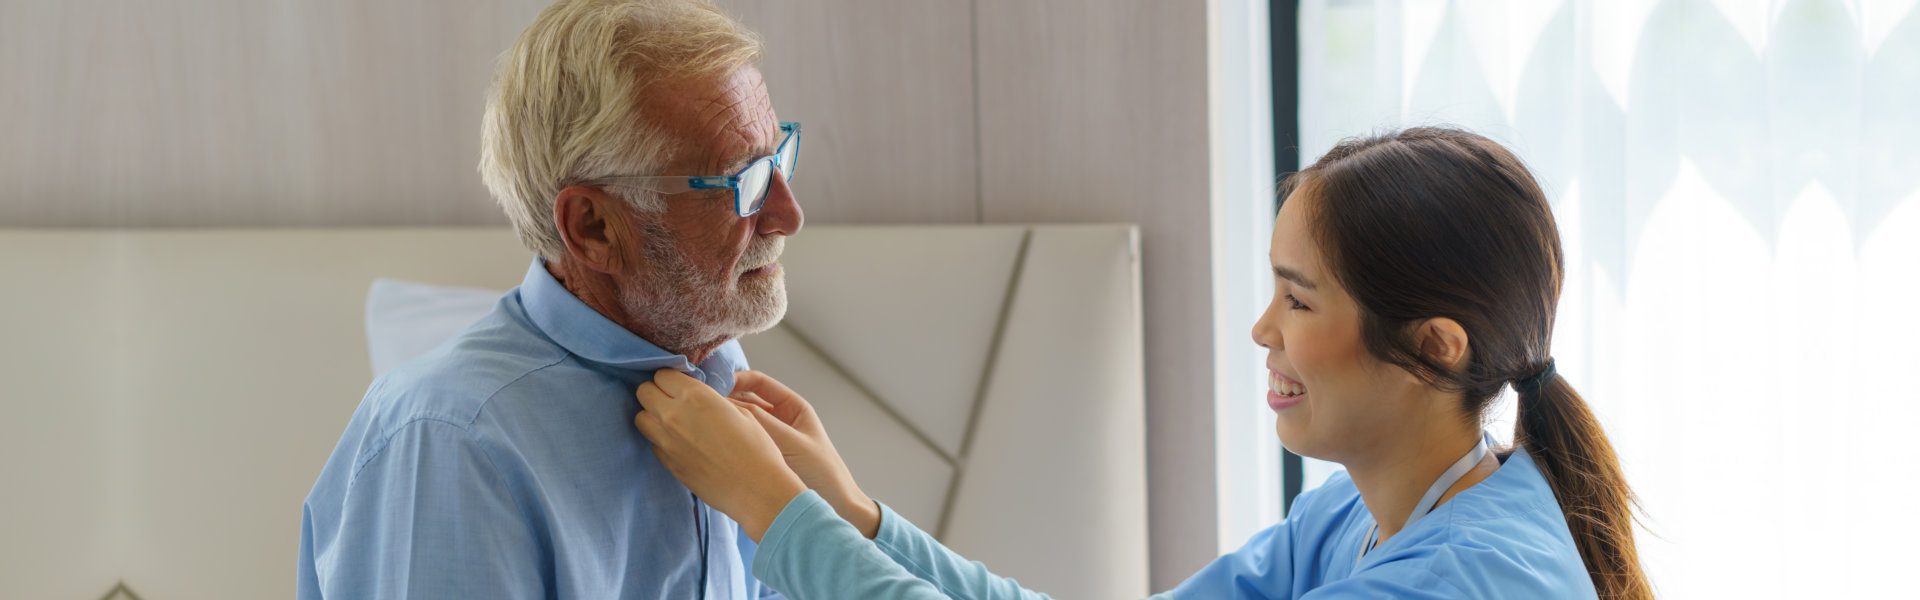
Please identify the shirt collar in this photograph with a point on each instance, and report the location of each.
(593, 337)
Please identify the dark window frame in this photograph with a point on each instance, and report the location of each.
(1283, 37)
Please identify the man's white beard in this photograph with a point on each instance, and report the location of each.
(690, 309)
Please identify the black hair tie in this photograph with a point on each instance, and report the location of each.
(1532, 385)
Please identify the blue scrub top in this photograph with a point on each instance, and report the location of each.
(1505, 537)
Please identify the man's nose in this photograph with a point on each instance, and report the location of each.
(781, 214)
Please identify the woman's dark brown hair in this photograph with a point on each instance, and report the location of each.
(1433, 222)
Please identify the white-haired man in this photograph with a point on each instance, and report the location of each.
(634, 148)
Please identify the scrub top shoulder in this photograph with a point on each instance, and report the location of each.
(1502, 538)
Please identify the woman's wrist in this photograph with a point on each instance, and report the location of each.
(858, 509)
(757, 519)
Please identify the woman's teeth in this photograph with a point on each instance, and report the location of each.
(1283, 388)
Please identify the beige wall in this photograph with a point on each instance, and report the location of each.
(1096, 110)
(131, 113)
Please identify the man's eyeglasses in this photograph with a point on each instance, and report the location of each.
(749, 186)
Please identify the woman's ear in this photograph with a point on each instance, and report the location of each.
(1444, 342)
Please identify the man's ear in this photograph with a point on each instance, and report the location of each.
(593, 225)
(1444, 341)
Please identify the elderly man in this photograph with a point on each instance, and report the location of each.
(634, 148)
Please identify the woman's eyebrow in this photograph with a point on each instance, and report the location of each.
(1293, 276)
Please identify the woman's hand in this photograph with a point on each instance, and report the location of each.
(802, 439)
(717, 447)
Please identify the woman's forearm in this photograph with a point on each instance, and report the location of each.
(810, 553)
(856, 508)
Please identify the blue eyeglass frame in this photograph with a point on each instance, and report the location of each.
(675, 184)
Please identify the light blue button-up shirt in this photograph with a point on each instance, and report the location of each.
(505, 464)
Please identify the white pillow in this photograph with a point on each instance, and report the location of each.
(405, 319)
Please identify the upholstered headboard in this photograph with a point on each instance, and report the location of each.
(170, 395)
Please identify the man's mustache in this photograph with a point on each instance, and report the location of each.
(762, 253)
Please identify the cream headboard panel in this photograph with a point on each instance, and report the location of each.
(171, 395)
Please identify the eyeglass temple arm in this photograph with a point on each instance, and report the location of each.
(668, 184)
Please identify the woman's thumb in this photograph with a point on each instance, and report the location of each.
(784, 435)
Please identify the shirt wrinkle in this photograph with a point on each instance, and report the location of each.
(912, 565)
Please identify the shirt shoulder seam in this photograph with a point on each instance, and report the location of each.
(466, 428)
(564, 355)
(387, 439)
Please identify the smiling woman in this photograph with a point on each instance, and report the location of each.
(1439, 269)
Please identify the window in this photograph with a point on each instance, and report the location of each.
(1737, 186)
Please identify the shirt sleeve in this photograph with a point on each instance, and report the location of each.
(809, 553)
(428, 515)
(1261, 569)
(1265, 567)
(1410, 581)
(1461, 569)
(755, 588)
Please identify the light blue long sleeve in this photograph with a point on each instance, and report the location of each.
(809, 553)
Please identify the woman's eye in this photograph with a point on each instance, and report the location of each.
(1295, 303)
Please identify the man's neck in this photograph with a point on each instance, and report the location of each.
(1394, 478)
(698, 354)
(600, 293)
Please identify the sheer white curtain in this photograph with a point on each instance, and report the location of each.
(1737, 184)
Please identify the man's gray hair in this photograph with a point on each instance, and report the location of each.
(565, 106)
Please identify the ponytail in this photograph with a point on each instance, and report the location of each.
(1565, 440)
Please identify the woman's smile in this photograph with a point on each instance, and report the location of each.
(1283, 391)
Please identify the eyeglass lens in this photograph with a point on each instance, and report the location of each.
(757, 180)
(753, 184)
(790, 155)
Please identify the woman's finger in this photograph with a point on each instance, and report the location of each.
(760, 383)
(765, 418)
(752, 398)
(781, 400)
(785, 436)
(650, 426)
(744, 405)
(673, 382)
(651, 397)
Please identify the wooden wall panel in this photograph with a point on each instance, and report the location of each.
(1095, 110)
(885, 91)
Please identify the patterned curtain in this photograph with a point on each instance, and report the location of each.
(1737, 183)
